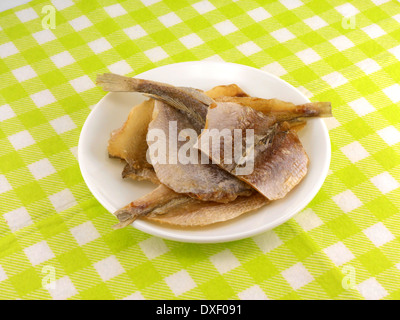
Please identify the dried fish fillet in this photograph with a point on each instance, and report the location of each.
(129, 141)
(199, 213)
(280, 109)
(207, 182)
(166, 206)
(278, 158)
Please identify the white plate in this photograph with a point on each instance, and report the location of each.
(103, 175)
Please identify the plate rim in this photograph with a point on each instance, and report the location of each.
(167, 234)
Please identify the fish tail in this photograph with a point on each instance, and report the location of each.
(126, 216)
(320, 109)
(117, 83)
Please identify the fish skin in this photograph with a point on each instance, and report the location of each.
(280, 161)
(206, 182)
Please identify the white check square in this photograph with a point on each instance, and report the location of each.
(180, 282)
(347, 201)
(115, 10)
(21, 140)
(355, 151)
(368, 66)
(62, 200)
(99, 45)
(109, 268)
(373, 31)
(80, 23)
(156, 54)
(170, 19)
(315, 22)
(8, 49)
(249, 48)
(39, 253)
(18, 219)
(153, 247)
(24, 73)
(385, 182)
(85, 233)
(6, 112)
(62, 59)
(297, 276)
(203, 7)
(224, 261)
(225, 27)
(283, 35)
(4, 184)
(390, 135)
(26, 15)
(308, 56)
(259, 14)
(192, 40)
(339, 253)
(43, 98)
(135, 32)
(379, 234)
(41, 169)
(44, 36)
(81, 84)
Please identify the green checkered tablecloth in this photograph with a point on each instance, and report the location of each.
(56, 240)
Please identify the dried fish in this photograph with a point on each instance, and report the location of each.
(279, 161)
(129, 142)
(282, 110)
(191, 101)
(166, 206)
(203, 181)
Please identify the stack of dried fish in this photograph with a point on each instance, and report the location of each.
(198, 194)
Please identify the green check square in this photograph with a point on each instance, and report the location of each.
(52, 145)
(30, 192)
(26, 281)
(358, 128)
(13, 92)
(53, 78)
(35, 54)
(375, 261)
(351, 176)
(331, 281)
(32, 118)
(188, 254)
(260, 268)
(382, 207)
(73, 260)
(217, 287)
(144, 275)
(97, 292)
(343, 227)
(304, 251)
(120, 239)
(10, 162)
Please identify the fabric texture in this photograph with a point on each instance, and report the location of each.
(56, 240)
